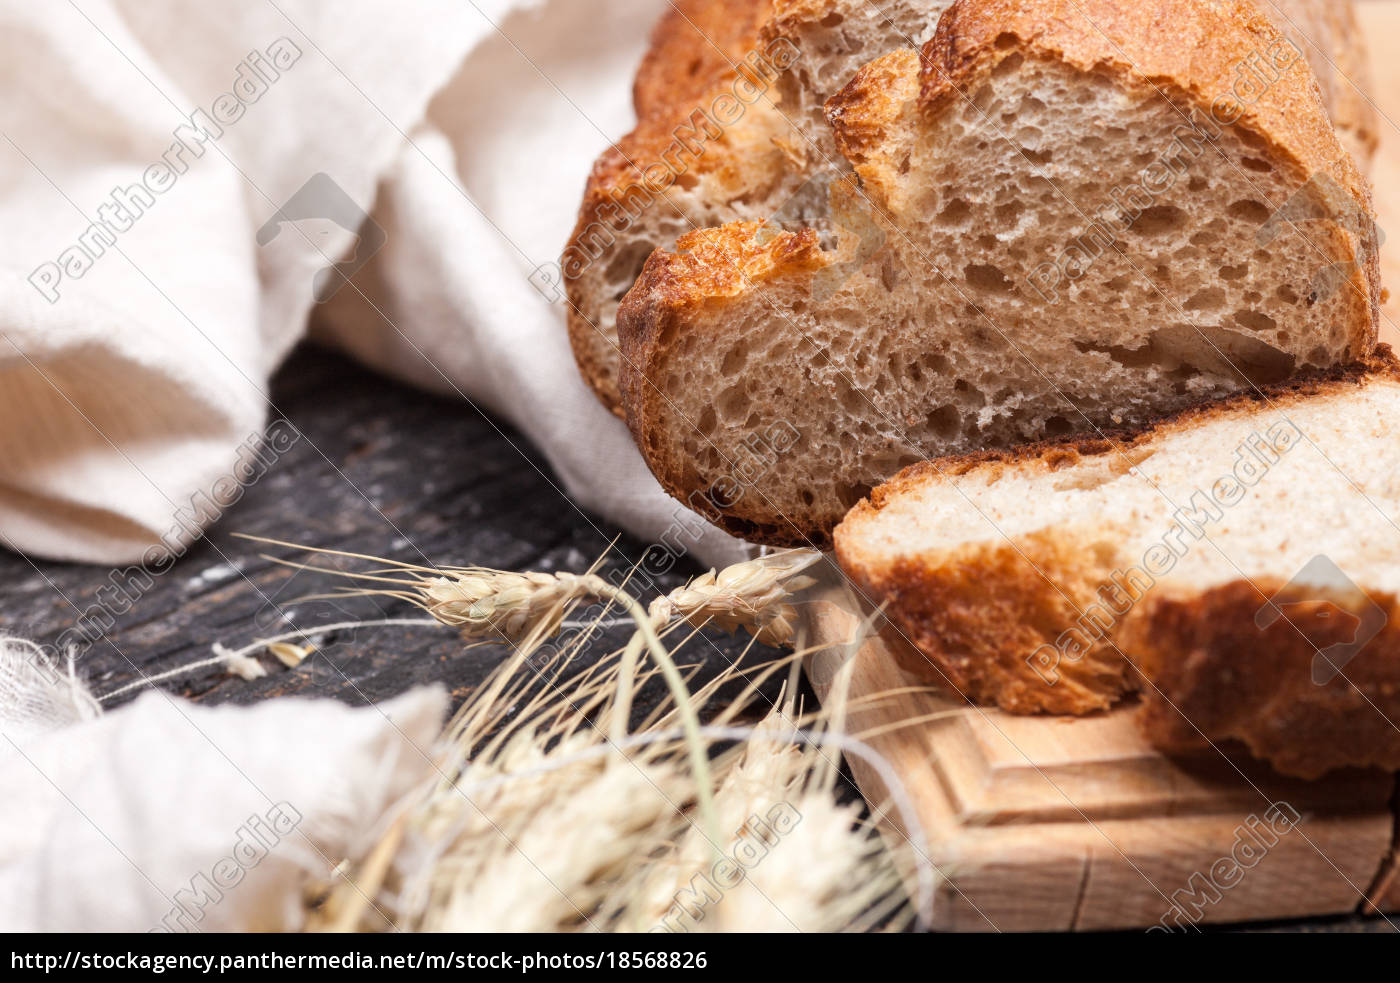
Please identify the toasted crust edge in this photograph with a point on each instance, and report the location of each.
(1212, 676)
(692, 48)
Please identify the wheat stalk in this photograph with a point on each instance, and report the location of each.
(540, 826)
(535, 819)
(525, 608)
(750, 595)
(480, 602)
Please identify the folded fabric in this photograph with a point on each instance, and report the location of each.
(169, 816)
(186, 188)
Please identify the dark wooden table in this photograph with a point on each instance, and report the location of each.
(387, 471)
(382, 470)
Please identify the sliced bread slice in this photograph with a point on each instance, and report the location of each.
(1238, 565)
(730, 129)
(675, 171)
(1065, 219)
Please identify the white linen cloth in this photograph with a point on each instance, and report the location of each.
(139, 323)
(168, 816)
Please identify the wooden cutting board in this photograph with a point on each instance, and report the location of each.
(1051, 823)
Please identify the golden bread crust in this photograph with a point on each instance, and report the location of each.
(966, 624)
(693, 47)
(1211, 675)
(1328, 33)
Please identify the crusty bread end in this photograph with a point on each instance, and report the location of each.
(1063, 576)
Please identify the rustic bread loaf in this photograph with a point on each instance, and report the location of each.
(1062, 217)
(671, 175)
(1236, 565)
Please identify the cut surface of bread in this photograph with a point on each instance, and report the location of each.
(1061, 219)
(1238, 565)
(678, 172)
(759, 167)
(674, 171)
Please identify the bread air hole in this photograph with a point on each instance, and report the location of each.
(935, 363)
(969, 395)
(1256, 322)
(733, 403)
(956, 212)
(1206, 300)
(1095, 472)
(1158, 220)
(849, 494)
(889, 274)
(851, 400)
(987, 278)
(945, 422)
(1008, 65)
(735, 359)
(626, 265)
(1250, 211)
